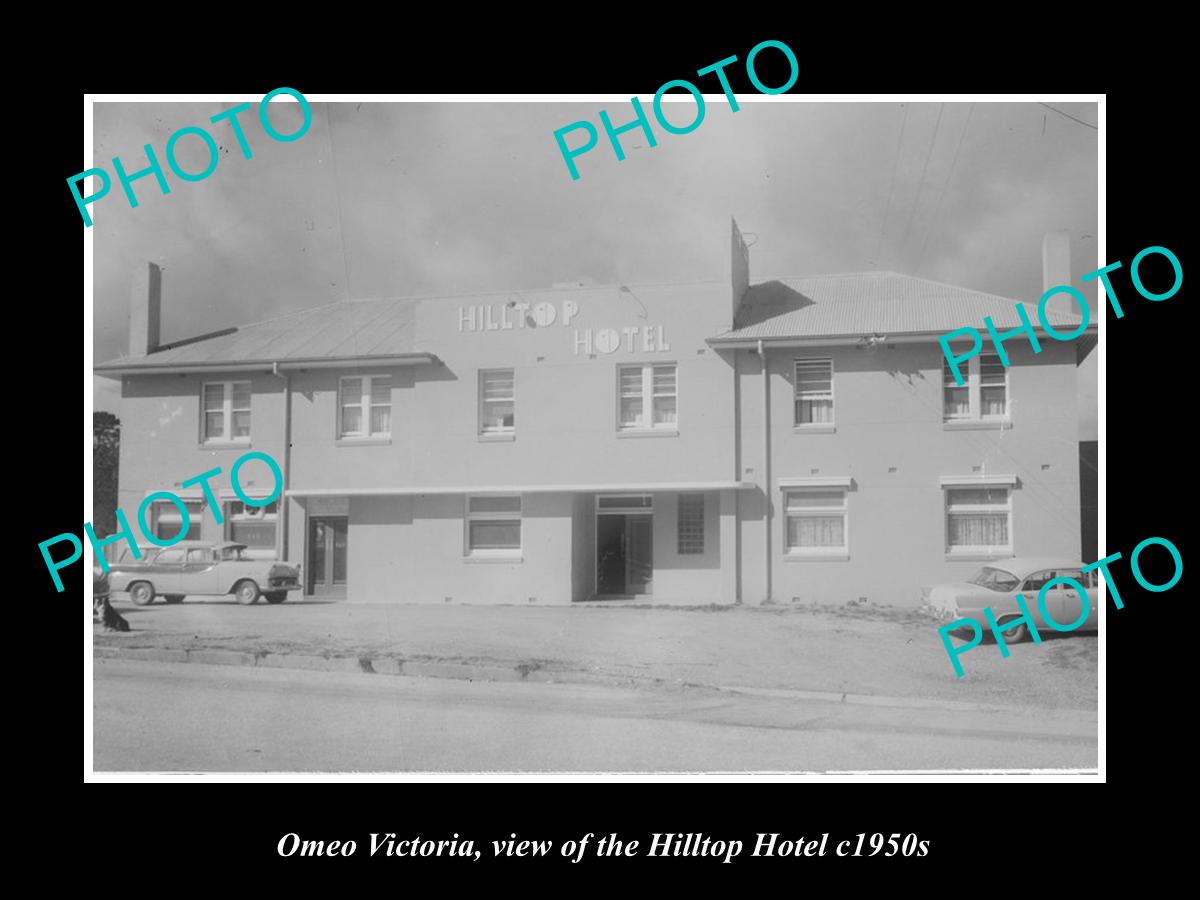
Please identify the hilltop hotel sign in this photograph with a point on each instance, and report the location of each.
(507, 316)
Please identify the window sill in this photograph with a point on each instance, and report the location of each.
(364, 442)
(223, 445)
(814, 428)
(979, 555)
(499, 558)
(837, 556)
(497, 437)
(647, 432)
(976, 424)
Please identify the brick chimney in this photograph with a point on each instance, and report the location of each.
(145, 310)
(739, 269)
(1056, 271)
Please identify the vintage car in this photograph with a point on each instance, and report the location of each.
(202, 567)
(996, 585)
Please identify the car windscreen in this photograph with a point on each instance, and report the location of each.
(995, 579)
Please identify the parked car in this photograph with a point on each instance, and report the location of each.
(997, 584)
(202, 567)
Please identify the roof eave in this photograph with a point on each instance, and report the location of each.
(147, 366)
(733, 342)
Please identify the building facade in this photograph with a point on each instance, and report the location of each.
(715, 442)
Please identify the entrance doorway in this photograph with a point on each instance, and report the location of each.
(327, 541)
(624, 546)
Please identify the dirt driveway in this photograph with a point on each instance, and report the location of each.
(870, 650)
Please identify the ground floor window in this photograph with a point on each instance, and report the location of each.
(979, 519)
(167, 520)
(493, 526)
(691, 524)
(816, 521)
(253, 526)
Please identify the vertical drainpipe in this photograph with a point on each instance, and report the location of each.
(766, 393)
(281, 535)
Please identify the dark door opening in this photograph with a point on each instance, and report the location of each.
(624, 554)
(327, 543)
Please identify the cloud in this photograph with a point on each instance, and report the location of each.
(401, 199)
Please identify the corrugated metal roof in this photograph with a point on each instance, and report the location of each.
(871, 302)
(358, 329)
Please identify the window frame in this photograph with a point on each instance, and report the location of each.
(195, 508)
(365, 407)
(798, 552)
(501, 433)
(227, 411)
(647, 394)
(974, 388)
(973, 551)
(251, 515)
(498, 554)
(685, 544)
(796, 395)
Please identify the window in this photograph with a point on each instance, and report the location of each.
(816, 521)
(170, 556)
(494, 526)
(497, 402)
(647, 398)
(225, 412)
(253, 526)
(1036, 581)
(814, 392)
(983, 395)
(167, 521)
(691, 523)
(200, 556)
(979, 520)
(365, 407)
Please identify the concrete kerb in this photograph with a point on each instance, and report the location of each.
(531, 672)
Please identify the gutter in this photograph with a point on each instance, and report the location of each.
(721, 342)
(281, 534)
(147, 366)
(766, 395)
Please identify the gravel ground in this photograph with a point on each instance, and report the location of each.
(856, 649)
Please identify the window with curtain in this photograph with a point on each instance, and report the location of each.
(225, 412)
(253, 526)
(978, 519)
(814, 391)
(816, 520)
(497, 402)
(647, 397)
(983, 395)
(365, 407)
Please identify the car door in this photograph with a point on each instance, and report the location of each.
(199, 572)
(166, 570)
(1031, 587)
(1065, 601)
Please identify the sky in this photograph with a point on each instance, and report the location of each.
(415, 199)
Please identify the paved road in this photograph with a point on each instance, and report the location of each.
(168, 717)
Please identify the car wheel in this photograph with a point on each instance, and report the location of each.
(173, 598)
(1018, 635)
(141, 593)
(246, 592)
(276, 596)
